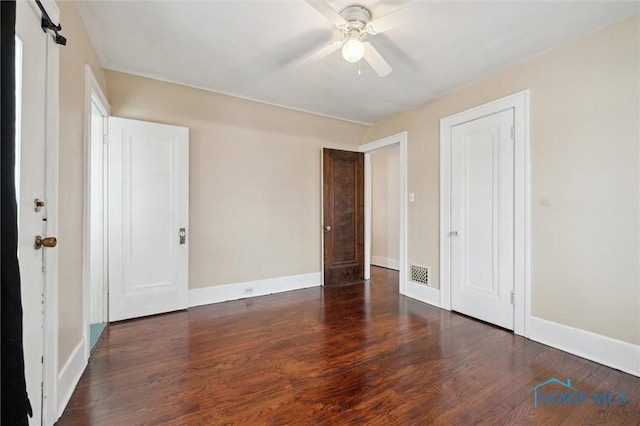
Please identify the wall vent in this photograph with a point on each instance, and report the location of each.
(421, 274)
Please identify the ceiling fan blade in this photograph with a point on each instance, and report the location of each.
(388, 21)
(329, 12)
(377, 62)
(321, 53)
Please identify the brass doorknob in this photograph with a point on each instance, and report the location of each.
(45, 242)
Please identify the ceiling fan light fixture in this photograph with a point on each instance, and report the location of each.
(352, 49)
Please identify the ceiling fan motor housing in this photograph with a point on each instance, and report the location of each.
(357, 18)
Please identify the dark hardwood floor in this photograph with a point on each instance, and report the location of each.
(357, 354)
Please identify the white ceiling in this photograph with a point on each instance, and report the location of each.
(253, 48)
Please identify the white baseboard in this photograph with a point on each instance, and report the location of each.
(385, 262)
(70, 375)
(423, 293)
(595, 347)
(227, 292)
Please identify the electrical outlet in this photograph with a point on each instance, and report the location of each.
(248, 290)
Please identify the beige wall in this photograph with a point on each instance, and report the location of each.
(254, 177)
(385, 206)
(584, 177)
(73, 57)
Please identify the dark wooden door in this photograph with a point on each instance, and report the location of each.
(343, 207)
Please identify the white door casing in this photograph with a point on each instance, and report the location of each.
(37, 167)
(148, 172)
(481, 233)
(95, 309)
(96, 217)
(520, 103)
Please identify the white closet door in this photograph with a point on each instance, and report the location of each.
(482, 218)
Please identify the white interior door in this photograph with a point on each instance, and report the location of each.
(148, 213)
(31, 139)
(482, 218)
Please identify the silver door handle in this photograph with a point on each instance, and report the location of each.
(453, 233)
(327, 228)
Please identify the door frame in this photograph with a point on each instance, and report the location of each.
(400, 140)
(520, 103)
(93, 93)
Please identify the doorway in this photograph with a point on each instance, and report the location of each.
(484, 205)
(96, 260)
(132, 269)
(397, 141)
(385, 207)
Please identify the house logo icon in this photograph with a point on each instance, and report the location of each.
(568, 395)
(537, 389)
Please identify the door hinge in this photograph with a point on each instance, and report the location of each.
(513, 132)
(105, 138)
(513, 297)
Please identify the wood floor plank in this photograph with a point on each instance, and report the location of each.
(359, 354)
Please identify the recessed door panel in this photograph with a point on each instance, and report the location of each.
(149, 208)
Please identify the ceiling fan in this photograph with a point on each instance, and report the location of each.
(355, 23)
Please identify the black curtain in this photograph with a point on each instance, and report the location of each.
(15, 403)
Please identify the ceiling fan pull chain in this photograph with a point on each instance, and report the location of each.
(360, 67)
